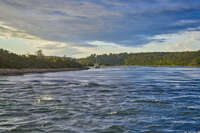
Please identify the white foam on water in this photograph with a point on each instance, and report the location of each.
(112, 113)
(44, 98)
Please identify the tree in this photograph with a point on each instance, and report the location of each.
(11, 60)
(39, 53)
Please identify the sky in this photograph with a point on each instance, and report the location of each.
(78, 28)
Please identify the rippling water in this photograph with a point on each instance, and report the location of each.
(106, 100)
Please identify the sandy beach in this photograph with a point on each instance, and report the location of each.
(26, 71)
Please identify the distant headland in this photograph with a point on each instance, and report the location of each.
(13, 64)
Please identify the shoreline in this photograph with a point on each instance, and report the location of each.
(154, 66)
(13, 72)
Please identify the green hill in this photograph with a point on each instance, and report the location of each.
(12, 60)
(146, 59)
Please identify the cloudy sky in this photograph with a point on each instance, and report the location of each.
(78, 28)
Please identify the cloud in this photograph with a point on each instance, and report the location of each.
(186, 22)
(112, 21)
(70, 24)
(187, 40)
(49, 47)
(182, 41)
(7, 32)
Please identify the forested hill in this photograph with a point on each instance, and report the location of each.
(146, 59)
(11, 60)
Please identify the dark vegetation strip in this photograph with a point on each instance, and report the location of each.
(191, 59)
(10, 60)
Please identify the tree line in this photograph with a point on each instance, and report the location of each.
(12, 60)
(145, 59)
(39, 60)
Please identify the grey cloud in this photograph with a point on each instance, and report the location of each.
(6, 31)
(186, 22)
(127, 22)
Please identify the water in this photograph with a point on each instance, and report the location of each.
(106, 100)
